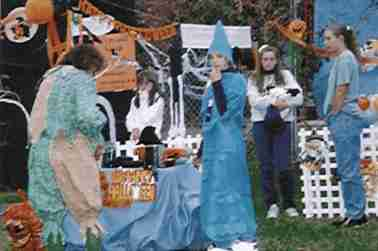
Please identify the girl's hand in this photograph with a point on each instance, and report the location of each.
(281, 104)
(215, 75)
(135, 133)
(196, 162)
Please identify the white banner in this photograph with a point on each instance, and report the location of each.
(200, 36)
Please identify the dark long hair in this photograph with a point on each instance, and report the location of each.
(84, 57)
(151, 94)
(349, 35)
(260, 73)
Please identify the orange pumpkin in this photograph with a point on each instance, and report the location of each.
(363, 103)
(364, 163)
(39, 11)
(298, 28)
(173, 153)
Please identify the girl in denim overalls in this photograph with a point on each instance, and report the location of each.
(343, 122)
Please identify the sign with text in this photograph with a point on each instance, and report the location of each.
(122, 77)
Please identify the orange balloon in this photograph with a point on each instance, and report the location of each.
(363, 103)
(39, 11)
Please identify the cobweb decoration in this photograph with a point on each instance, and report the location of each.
(156, 59)
(192, 83)
(195, 72)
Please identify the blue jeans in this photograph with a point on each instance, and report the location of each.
(273, 153)
(345, 131)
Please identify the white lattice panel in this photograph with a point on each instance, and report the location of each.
(322, 197)
(126, 149)
(189, 142)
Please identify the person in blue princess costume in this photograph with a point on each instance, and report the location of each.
(227, 212)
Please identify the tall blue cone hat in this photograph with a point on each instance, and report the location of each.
(220, 43)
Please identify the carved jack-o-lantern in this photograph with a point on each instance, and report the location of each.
(24, 227)
(298, 28)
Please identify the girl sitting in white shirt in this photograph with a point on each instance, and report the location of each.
(146, 107)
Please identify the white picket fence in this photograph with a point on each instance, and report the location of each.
(189, 142)
(322, 197)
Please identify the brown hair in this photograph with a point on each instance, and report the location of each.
(84, 57)
(258, 75)
(151, 76)
(349, 35)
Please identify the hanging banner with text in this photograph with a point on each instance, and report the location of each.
(123, 76)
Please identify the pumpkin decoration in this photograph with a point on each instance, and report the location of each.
(363, 103)
(314, 152)
(23, 226)
(43, 12)
(39, 11)
(294, 35)
(175, 153)
(297, 28)
(287, 33)
(313, 156)
(365, 163)
(369, 172)
(16, 28)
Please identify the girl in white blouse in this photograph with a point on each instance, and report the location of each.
(146, 107)
(273, 90)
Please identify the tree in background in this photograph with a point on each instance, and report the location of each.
(255, 13)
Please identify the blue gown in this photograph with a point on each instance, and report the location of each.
(227, 212)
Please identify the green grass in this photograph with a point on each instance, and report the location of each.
(4, 244)
(6, 198)
(286, 234)
(316, 235)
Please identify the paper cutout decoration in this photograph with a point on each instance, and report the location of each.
(18, 30)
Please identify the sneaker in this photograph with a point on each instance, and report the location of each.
(354, 223)
(213, 248)
(273, 212)
(244, 246)
(292, 212)
(340, 222)
(335, 179)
